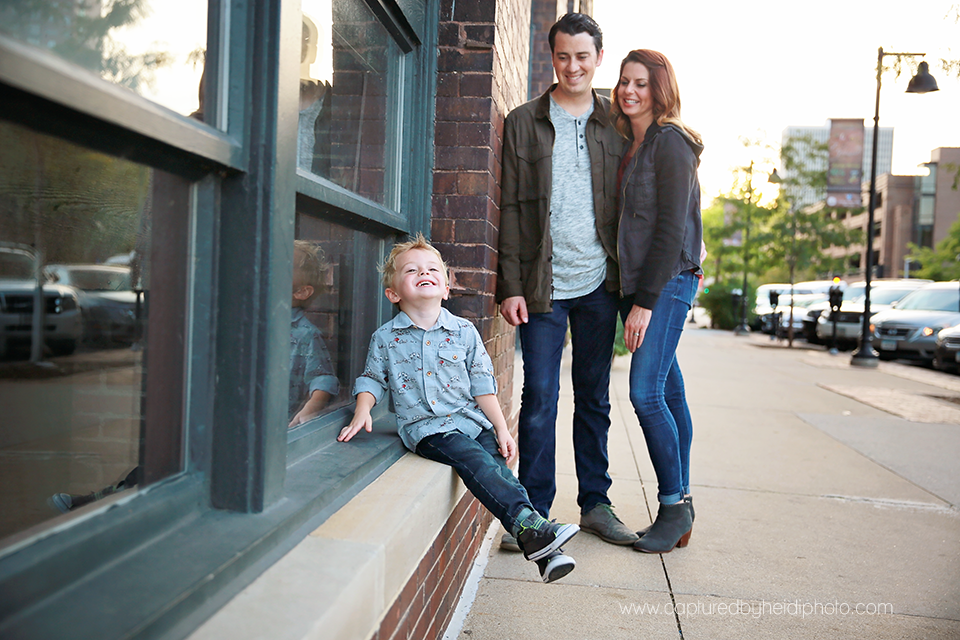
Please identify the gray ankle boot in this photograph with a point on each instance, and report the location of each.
(693, 516)
(671, 529)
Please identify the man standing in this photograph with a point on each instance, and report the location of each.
(557, 262)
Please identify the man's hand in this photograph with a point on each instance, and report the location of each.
(514, 310)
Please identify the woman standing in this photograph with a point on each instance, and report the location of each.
(659, 244)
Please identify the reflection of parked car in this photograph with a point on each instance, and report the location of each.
(61, 328)
(946, 355)
(883, 295)
(910, 329)
(109, 305)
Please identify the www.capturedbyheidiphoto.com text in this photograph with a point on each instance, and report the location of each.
(757, 609)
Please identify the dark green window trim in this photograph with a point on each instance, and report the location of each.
(45, 75)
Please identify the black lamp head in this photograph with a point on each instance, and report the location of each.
(923, 82)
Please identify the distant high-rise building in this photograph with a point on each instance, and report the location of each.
(804, 196)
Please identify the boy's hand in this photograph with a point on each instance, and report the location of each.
(508, 446)
(361, 420)
(361, 417)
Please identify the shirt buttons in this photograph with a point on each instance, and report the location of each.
(455, 357)
(429, 373)
(433, 402)
(428, 343)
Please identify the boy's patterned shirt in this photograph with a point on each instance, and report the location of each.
(433, 376)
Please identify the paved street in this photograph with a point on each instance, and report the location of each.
(827, 506)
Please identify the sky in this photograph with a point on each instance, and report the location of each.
(751, 68)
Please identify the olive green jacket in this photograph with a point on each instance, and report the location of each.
(526, 248)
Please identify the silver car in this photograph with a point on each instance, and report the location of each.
(61, 328)
(909, 330)
(883, 295)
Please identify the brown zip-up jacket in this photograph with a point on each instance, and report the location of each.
(526, 249)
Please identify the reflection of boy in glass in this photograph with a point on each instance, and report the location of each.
(312, 381)
(313, 136)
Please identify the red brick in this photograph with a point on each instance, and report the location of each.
(471, 183)
(464, 60)
(450, 34)
(448, 84)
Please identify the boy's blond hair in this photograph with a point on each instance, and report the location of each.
(389, 266)
(309, 267)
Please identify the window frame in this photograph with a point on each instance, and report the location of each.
(249, 490)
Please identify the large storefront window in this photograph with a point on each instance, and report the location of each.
(349, 68)
(153, 47)
(78, 233)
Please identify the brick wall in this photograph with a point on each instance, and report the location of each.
(429, 599)
(481, 72)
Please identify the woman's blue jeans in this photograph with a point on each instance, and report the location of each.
(483, 470)
(593, 327)
(656, 389)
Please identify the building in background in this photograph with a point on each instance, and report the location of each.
(798, 135)
(909, 209)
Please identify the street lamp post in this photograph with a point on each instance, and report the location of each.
(792, 261)
(744, 328)
(923, 82)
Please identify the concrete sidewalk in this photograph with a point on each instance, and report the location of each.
(827, 506)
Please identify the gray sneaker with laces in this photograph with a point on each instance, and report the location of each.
(602, 522)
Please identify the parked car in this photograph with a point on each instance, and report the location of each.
(62, 326)
(909, 330)
(762, 307)
(108, 303)
(801, 301)
(946, 354)
(765, 312)
(884, 295)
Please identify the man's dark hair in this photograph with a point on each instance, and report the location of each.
(574, 23)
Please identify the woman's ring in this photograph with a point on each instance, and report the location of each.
(637, 334)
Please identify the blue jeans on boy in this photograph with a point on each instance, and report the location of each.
(593, 327)
(656, 389)
(483, 470)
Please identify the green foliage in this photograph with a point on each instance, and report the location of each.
(718, 301)
(619, 346)
(941, 262)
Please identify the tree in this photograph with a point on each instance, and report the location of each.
(80, 31)
(802, 240)
(941, 262)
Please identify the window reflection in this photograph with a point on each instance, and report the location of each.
(89, 393)
(348, 63)
(342, 314)
(153, 47)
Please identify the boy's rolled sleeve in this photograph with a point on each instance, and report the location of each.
(374, 379)
(482, 380)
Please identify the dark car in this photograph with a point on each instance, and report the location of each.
(909, 330)
(108, 302)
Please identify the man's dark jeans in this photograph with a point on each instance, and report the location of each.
(593, 326)
(483, 470)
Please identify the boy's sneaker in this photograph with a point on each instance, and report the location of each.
(509, 543)
(543, 537)
(555, 566)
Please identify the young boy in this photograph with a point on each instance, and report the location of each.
(312, 381)
(444, 392)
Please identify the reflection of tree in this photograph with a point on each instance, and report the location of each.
(79, 31)
(73, 204)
